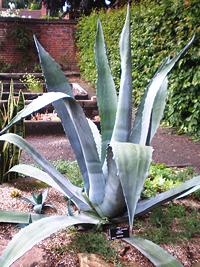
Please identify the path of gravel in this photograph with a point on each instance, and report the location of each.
(169, 148)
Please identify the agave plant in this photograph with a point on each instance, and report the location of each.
(114, 164)
(38, 201)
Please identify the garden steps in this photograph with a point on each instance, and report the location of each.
(5, 78)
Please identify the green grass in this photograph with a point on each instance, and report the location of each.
(71, 170)
(91, 242)
(171, 223)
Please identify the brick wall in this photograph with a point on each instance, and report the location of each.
(57, 37)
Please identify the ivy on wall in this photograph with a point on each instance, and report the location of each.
(159, 28)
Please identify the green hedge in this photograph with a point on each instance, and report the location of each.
(158, 30)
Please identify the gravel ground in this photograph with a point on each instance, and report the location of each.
(169, 148)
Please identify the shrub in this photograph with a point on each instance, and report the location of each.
(159, 29)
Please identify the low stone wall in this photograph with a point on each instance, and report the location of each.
(57, 37)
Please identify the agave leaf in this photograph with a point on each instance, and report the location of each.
(106, 93)
(37, 198)
(141, 124)
(18, 217)
(70, 190)
(132, 164)
(96, 135)
(192, 190)
(35, 105)
(124, 108)
(92, 161)
(30, 171)
(44, 195)
(35, 232)
(57, 82)
(14, 217)
(157, 255)
(114, 203)
(158, 109)
(29, 200)
(145, 205)
(38, 208)
(49, 206)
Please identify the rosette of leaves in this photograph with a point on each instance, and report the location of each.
(114, 164)
(37, 200)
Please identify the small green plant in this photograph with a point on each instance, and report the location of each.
(90, 242)
(37, 68)
(5, 67)
(35, 5)
(70, 169)
(171, 223)
(15, 193)
(22, 36)
(162, 178)
(32, 83)
(38, 201)
(9, 153)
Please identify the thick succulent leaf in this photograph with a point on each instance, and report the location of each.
(35, 105)
(44, 195)
(157, 255)
(141, 124)
(29, 200)
(35, 232)
(132, 163)
(38, 208)
(37, 198)
(93, 163)
(70, 190)
(144, 206)
(114, 202)
(54, 76)
(106, 93)
(57, 82)
(14, 217)
(31, 171)
(18, 217)
(96, 134)
(122, 126)
(158, 109)
(192, 190)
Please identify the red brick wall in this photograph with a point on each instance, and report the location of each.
(57, 37)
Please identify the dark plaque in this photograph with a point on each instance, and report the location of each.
(118, 232)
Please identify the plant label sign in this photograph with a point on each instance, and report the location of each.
(118, 233)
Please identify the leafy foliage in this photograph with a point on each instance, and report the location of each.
(71, 170)
(37, 200)
(159, 29)
(161, 178)
(10, 154)
(32, 83)
(171, 223)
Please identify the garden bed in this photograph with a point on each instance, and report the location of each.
(63, 248)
